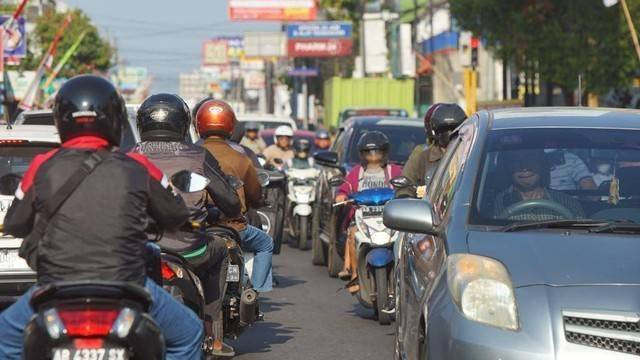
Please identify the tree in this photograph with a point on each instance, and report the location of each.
(94, 54)
(558, 39)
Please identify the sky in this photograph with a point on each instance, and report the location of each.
(164, 36)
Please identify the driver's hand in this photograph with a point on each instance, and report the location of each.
(341, 198)
(421, 191)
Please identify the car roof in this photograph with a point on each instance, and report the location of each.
(264, 118)
(383, 121)
(38, 112)
(563, 117)
(306, 133)
(34, 133)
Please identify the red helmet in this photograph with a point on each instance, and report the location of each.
(215, 117)
(430, 111)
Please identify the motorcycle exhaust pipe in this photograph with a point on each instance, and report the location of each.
(248, 306)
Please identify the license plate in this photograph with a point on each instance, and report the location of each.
(373, 210)
(233, 273)
(9, 260)
(90, 354)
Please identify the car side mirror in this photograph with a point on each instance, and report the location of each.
(336, 181)
(263, 179)
(327, 158)
(409, 215)
(189, 182)
(401, 182)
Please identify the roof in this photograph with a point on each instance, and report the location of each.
(305, 133)
(383, 121)
(36, 133)
(263, 118)
(567, 117)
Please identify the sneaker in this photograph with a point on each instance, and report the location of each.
(390, 306)
(221, 349)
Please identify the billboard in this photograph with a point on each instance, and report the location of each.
(265, 44)
(325, 29)
(215, 52)
(320, 39)
(319, 47)
(272, 10)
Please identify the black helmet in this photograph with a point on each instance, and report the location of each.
(163, 117)
(374, 140)
(252, 126)
(302, 145)
(238, 132)
(444, 119)
(323, 134)
(89, 105)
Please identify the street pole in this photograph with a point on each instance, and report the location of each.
(632, 29)
(363, 47)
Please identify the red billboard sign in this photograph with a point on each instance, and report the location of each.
(274, 10)
(320, 47)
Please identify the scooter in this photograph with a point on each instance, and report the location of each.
(374, 249)
(301, 195)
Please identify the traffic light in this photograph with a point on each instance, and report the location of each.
(474, 52)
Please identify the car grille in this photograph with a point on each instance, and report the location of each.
(604, 330)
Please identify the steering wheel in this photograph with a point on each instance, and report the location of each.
(526, 205)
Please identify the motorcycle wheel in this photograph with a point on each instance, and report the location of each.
(382, 291)
(303, 232)
(334, 261)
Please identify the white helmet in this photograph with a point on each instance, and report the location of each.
(283, 130)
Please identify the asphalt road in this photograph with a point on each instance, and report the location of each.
(306, 318)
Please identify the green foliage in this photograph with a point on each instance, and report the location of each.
(94, 53)
(558, 38)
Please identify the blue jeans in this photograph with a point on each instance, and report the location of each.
(260, 243)
(181, 327)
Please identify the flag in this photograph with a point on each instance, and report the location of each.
(63, 61)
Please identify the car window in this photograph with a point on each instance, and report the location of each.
(15, 159)
(549, 174)
(403, 140)
(446, 181)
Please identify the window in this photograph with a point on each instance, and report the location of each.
(403, 140)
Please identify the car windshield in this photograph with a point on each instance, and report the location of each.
(547, 174)
(403, 140)
(15, 159)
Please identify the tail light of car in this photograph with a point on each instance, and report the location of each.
(167, 272)
(88, 322)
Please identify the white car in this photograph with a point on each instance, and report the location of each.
(268, 121)
(18, 146)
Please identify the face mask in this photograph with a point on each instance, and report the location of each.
(604, 168)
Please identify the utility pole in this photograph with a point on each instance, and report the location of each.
(363, 48)
(632, 29)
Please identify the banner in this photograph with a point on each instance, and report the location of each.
(265, 44)
(15, 38)
(319, 47)
(272, 10)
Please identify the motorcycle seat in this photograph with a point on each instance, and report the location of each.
(112, 290)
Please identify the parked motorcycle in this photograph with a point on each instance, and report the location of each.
(301, 186)
(374, 248)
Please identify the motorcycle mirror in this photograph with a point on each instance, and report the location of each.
(9, 184)
(336, 181)
(401, 182)
(189, 182)
(278, 161)
(263, 179)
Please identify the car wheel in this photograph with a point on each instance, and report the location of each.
(318, 251)
(334, 261)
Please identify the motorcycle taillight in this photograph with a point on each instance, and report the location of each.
(167, 271)
(88, 322)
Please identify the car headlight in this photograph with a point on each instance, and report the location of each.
(482, 290)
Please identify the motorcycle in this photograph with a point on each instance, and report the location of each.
(301, 195)
(374, 249)
(240, 306)
(94, 320)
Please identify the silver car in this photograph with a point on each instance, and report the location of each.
(527, 244)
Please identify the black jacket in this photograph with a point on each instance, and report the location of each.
(173, 157)
(99, 232)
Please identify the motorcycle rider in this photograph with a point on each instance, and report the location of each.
(281, 149)
(322, 140)
(302, 158)
(98, 232)
(215, 122)
(163, 122)
(374, 172)
(439, 122)
(252, 139)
